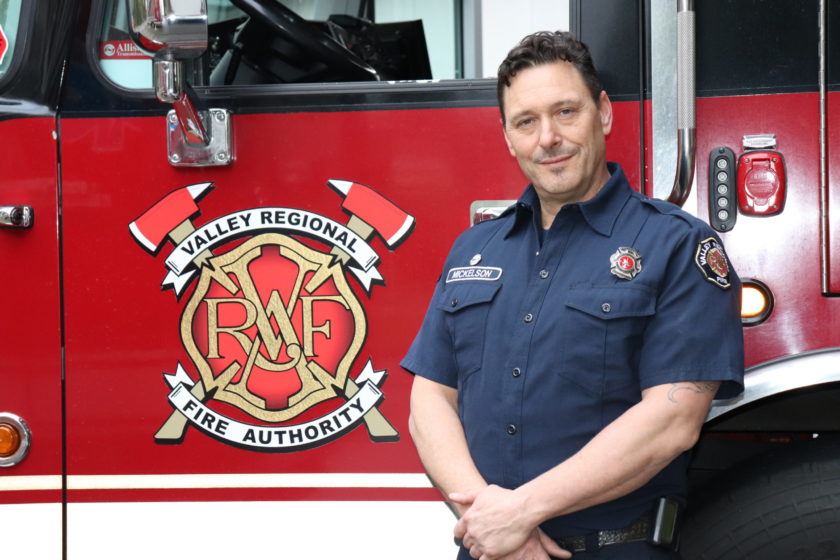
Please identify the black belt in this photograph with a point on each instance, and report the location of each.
(638, 531)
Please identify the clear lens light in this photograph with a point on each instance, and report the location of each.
(753, 302)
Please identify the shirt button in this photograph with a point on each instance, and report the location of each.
(606, 307)
(543, 274)
(511, 429)
(517, 372)
(529, 318)
(454, 302)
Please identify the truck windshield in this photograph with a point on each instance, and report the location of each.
(304, 41)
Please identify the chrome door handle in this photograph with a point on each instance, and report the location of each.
(18, 216)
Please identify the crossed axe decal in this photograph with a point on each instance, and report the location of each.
(170, 219)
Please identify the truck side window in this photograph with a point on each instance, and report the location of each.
(303, 41)
(9, 22)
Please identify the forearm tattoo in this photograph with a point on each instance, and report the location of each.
(693, 386)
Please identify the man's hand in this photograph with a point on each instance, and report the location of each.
(495, 527)
(538, 547)
(491, 527)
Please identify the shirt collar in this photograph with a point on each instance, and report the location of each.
(600, 212)
(526, 210)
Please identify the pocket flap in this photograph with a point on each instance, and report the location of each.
(612, 302)
(466, 294)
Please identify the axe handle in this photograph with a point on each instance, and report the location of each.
(181, 232)
(377, 425)
(173, 429)
(359, 227)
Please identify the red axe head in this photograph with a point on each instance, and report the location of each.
(385, 217)
(153, 226)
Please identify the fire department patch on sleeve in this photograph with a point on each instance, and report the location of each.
(712, 262)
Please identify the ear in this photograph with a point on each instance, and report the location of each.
(507, 140)
(605, 108)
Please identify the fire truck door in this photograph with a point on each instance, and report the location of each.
(30, 328)
(234, 329)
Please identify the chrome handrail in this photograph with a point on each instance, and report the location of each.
(686, 98)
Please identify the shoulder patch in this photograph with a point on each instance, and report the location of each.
(712, 262)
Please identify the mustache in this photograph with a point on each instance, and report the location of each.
(552, 154)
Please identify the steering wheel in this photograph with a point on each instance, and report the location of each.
(291, 27)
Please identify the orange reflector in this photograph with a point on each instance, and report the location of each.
(753, 302)
(9, 440)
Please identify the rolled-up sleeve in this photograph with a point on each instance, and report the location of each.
(696, 332)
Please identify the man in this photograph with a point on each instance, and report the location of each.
(573, 345)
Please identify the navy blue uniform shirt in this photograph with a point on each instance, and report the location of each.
(549, 341)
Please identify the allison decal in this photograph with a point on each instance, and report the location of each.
(272, 326)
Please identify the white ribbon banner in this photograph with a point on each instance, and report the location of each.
(278, 219)
(283, 438)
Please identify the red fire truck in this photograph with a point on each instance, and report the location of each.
(223, 219)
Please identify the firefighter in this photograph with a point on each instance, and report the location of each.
(573, 345)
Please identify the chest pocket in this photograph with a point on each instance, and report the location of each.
(603, 340)
(467, 305)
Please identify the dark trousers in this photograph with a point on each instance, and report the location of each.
(628, 551)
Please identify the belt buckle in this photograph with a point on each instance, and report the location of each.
(638, 531)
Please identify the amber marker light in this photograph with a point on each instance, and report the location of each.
(756, 302)
(9, 440)
(15, 439)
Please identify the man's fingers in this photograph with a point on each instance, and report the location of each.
(551, 547)
(460, 530)
(464, 498)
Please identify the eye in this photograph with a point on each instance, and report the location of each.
(525, 123)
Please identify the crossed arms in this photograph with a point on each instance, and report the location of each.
(496, 523)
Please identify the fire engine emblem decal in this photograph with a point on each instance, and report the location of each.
(272, 327)
(712, 262)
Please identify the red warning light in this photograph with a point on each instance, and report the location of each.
(4, 44)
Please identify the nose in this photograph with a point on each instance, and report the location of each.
(549, 133)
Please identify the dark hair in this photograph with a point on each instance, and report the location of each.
(546, 47)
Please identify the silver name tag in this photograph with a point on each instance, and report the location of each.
(490, 273)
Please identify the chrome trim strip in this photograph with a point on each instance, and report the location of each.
(663, 80)
(823, 185)
(779, 376)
